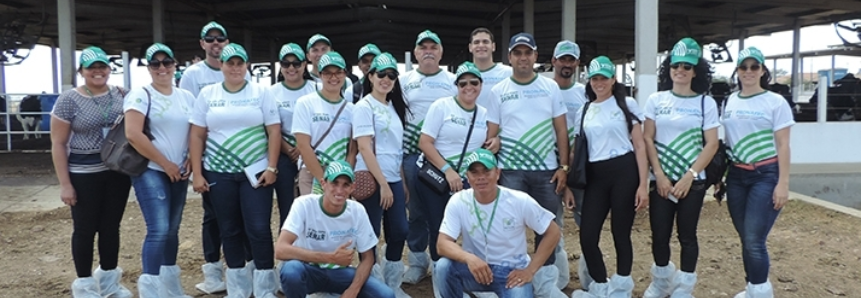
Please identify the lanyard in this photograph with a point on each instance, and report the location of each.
(489, 222)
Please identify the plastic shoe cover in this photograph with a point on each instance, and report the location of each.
(418, 270)
(85, 287)
(583, 273)
(250, 267)
(109, 283)
(169, 276)
(238, 283)
(596, 290)
(685, 283)
(150, 286)
(544, 283)
(620, 286)
(763, 290)
(265, 285)
(562, 266)
(743, 294)
(393, 272)
(662, 284)
(213, 278)
(323, 295)
(484, 295)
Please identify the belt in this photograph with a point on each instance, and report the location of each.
(753, 166)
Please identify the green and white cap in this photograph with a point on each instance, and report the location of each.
(332, 58)
(233, 50)
(384, 61)
(158, 47)
(337, 169)
(686, 50)
(369, 49)
(92, 55)
(751, 53)
(427, 34)
(482, 156)
(212, 25)
(465, 68)
(602, 65)
(291, 49)
(566, 47)
(316, 38)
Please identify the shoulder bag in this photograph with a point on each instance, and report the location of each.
(577, 169)
(117, 153)
(365, 183)
(433, 177)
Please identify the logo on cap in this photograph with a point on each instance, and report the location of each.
(594, 66)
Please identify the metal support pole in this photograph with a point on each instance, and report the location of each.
(506, 36)
(646, 48)
(127, 71)
(529, 16)
(408, 61)
(66, 30)
(796, 62)
(569, 20)
(273, 52)
(55, 75)
(158, 21)
(248, 43)
(822, 103)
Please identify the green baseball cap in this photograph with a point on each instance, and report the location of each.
(92, 55)
(427, 34)
(751, 53)
(177, 74)
(384, 61)
(332, 58)
(602, 65)
(158, 47)
(465, 68)
(686, 50)
(291, 49)
(233, 50)
(317, 37)
(369, 49)
(210, 26)
(337, 169)
(483, 156)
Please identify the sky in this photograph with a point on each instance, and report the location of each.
(34, 74)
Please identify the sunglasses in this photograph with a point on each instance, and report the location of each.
(156, 64)
(474, 82)
(686, 66)
(392, 75)
(211, 39)
(295, 64)
(752, 67)
(332, 74)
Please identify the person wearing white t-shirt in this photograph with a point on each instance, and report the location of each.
(492, 221)
(756, 123)
(236, 126)
(681, 138)
(482, 46)
(421, 88)
(319, 238)
(161, 190)
(318, 46)
(618, 179)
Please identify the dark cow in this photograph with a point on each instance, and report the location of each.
(30, 122)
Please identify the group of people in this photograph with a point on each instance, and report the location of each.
(424, 158)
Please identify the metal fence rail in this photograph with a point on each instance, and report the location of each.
(11, 114)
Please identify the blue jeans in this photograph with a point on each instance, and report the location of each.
(242, 211)
(417, 239)
(299, 279)
(537, 185)
(284, 186)
(394, 219)
(434, 208)
(749, 200)
(161, 204)
(459, 279)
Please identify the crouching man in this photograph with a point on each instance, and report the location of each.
(318, 239)
(492, 220)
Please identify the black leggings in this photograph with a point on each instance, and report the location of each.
(613, 186)
(101, 202)
(662, 211)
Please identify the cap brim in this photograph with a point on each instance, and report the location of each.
(160, 51)
(333, 64)
(560, 55)
(466, 73)
(688, 60)
(300, 58)
(90, 63)
(216, 28)
(235, 55)
(487, 165)
(427, 38)
(511, 47)
(349, 177)
(741, 60)
(602, 72)
(329, 43)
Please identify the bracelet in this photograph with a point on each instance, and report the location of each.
(445, 167)
(691, 170)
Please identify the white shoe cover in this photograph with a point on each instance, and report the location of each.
(213, 278)
(583, 273)
(418, 270)
(685, 283)
(265, 285)
(393, 274)
(596, 290)
(662, 284)
(620, 286)
(544, 283)
(323, 295)
(169, 276)
(85, 287)
(562, 266)
(150, 286)
(763, 290)
(238, 283)
(250, 267)
(743, 294)
(109, 283)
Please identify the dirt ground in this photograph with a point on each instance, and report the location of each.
(815, 252)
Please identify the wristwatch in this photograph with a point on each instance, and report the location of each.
(272, 169)
(565, 168)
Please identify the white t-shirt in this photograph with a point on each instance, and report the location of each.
(200, 75)
(313, 115)
(286, 98)
(381, 122)
(420, 91)
(606, 130)
(573, 97)
(169, 116)
(236, 125)
(505, 242)
(319, 231)
(525, 113)
(448, 123)
(679, 125)
(750, 123)
(490, 77)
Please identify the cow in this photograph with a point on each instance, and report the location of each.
(30, 122)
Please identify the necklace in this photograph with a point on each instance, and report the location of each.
(90, 93)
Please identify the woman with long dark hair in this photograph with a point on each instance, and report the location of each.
(681, 138)
(618, 177)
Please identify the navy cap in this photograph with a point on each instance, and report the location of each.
(522, 38)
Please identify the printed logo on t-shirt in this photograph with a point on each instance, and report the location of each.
(535, 93)
(412, 86)
(508, 224)
(247, 102)
(530, 150)
(321, 117)
(678, 156)
(338, 235)
(217, 103)
(285, 104)
(745, 115)
(315, 235)
(754, 147)
(513, 95)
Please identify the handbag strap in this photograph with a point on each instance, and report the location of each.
(468, 136)
(583, 118)
(331, 124)
(703, 122)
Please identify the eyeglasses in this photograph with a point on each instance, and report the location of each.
(686, 66)
(295, 64)
(752, 67)
(211, 39)
(156, 64)
(327, 74)
(392, 75)
(474, 82)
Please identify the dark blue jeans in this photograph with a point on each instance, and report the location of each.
(242, 210)
(299, 279)
(537, 185)
(394, 219)
(458, 279)
(284, 186)
(161, 204)
(434, 208)
(749, 200)
(417, 239)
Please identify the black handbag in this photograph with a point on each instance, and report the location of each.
(716, 168)
(433, 177)
(577, 168)
(118, 154)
